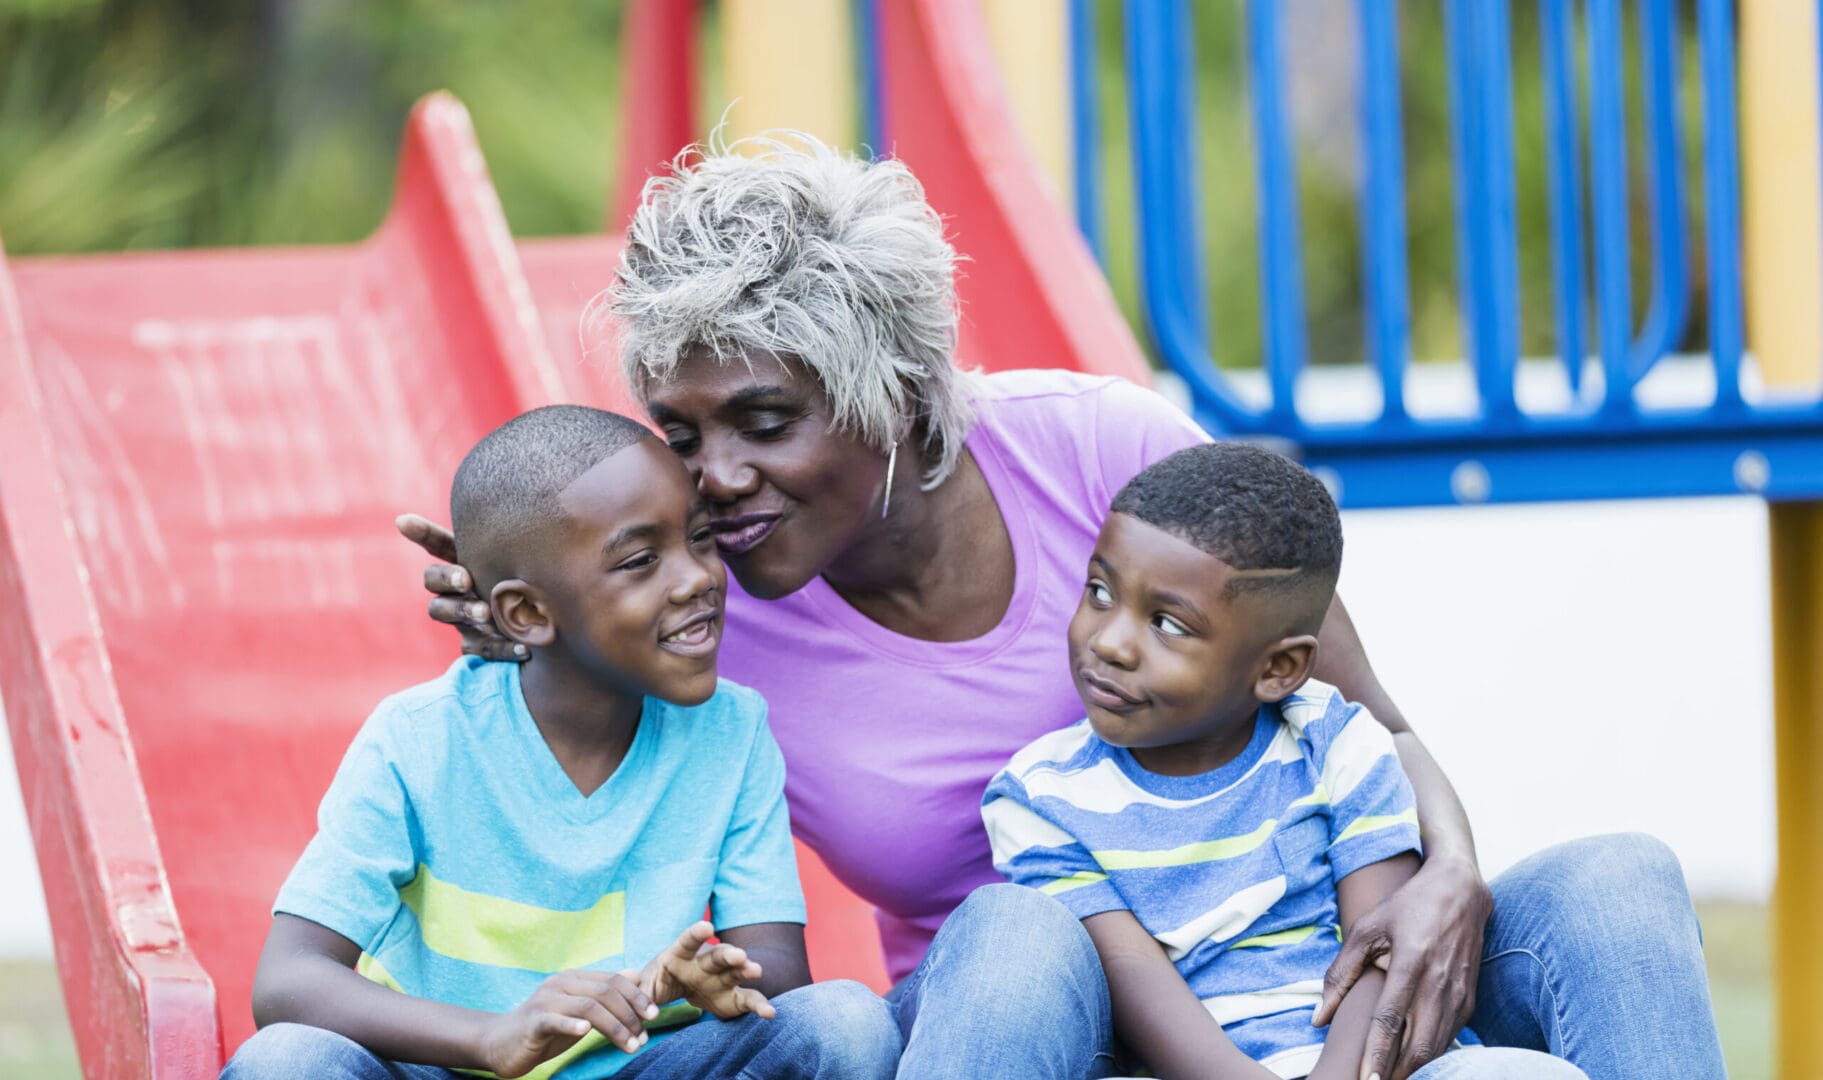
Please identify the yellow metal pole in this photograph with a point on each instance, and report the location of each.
(1783, 208)
(1031, 42)
(789, 64)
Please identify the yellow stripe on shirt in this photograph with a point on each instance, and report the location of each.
(1362, 825)
(1283, 937)
(482, 929)
(1227, 847)
(1074, 881)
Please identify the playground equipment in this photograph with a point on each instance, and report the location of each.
(1608, 442)
(181, 430)
(177, 430)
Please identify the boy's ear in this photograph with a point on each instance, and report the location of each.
(522, 613)
(1287, 666)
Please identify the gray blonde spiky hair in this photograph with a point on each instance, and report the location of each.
(778, 243)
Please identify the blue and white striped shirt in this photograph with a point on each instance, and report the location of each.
(1234, 871)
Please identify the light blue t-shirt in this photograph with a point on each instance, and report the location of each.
(456, 852)
(1233, 872)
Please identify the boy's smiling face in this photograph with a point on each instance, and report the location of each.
(1170, 661)
(632, 582)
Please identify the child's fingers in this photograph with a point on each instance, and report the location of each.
(752, 1001)
(723, 959)
(587, 982)
(622, 1030)
(554, 1024)
(692, 941)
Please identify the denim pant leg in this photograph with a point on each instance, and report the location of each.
(1497, 1063)
(299, 1052)
(837, 1030)
(1593, 954)
(1011, 986)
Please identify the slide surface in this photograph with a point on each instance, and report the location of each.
(200, 457)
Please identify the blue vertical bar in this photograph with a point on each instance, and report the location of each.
(1281, 262)
(1608, 156)
(1463, 44)
(1382, 198)
(1563, 153)
(1670, 305)
(1163, 104)
(1086, 124)
(1497, 368)
(1722, 186)
(869, 57)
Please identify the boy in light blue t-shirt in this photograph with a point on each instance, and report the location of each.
(1217, 821)
(511, 866)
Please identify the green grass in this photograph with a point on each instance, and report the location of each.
(35, 1033)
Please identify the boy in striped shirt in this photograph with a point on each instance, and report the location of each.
(1218, 820)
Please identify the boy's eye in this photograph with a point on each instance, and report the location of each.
(1099, 594)
(702, 536)
(1170, 627)
(680, 440)
(638, 562)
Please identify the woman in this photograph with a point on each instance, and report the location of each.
(909, 543)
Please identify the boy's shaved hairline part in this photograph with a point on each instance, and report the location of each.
(506, 500)
(1267, 518)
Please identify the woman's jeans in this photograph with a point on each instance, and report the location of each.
(829, 1031)
(1592, 954)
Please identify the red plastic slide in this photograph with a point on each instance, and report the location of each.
(200, 457)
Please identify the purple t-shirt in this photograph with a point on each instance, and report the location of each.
(890, 741)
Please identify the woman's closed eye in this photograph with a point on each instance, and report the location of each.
(682, 440)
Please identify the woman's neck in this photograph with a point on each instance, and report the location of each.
(939, 567)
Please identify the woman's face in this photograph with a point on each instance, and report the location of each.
(787, 493)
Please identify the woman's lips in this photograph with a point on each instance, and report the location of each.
(737, 536)
(1107, 693)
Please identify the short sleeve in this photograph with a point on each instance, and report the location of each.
(756, 878)
(1373, 813)
(349, 877)
(1135, 427)
(1034, 852)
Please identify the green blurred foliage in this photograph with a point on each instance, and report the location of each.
(210, 122)
(132, 124)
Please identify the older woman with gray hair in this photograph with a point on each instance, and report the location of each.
(908, 543)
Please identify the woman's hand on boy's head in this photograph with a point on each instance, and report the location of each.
(453, 598)
(563, 1009)
(707, 975)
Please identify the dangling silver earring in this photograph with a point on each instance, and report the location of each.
(892, 462)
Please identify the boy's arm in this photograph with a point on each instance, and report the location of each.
(779, 950)
(1431, 930)
(306, 976)
(1156, 1016)
(1345, 1049)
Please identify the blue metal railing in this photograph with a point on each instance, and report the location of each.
(1605, 445)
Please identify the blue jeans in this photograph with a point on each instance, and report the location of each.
(1497, 1063)
(829, 1031)
(1592, 955)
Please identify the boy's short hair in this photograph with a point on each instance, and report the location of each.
(1256, 511)
(503, 501)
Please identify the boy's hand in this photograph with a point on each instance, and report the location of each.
(707, 976)
(563, 1009)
